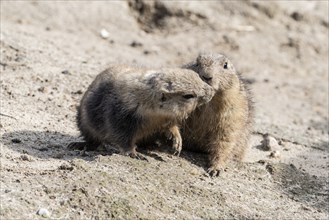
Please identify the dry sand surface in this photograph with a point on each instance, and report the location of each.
(52, 50)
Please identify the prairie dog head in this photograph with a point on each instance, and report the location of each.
(177, 92)
(216, 70)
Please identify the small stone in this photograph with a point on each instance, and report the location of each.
(42, 89)
(293, 166)
(104, 33)
(42, 149)
(66, 167)
(52, 197)
(136, 44)
(275, 154)
(269, 143)
(270, 169)
(66, 72)
(195, 172)
(26, 157)
(43, 212)
(152, 50)
(78, 92)
(305, 208)
(263, 162)
(296, 16)
(16, 140)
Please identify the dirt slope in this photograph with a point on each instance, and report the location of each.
(52, 50)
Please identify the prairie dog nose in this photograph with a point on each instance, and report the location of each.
(207, 78)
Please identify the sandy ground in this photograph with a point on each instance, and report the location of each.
(52, 50)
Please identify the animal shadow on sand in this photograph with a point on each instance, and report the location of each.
(50, 144)
(47, 144)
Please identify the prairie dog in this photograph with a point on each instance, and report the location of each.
(126, 104)
(221, 127)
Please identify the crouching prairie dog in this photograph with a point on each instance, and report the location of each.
(220, 128)
(124, 104)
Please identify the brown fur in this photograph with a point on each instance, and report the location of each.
(221, 127)
(124, 104)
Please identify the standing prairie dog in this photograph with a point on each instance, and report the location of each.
(125, 104)
(221, 127)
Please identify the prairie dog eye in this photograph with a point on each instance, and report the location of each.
(189, 96)
(225, 65)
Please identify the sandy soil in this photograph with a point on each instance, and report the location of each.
(52, 50)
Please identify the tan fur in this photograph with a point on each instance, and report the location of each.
(151, 100)
(221, 127)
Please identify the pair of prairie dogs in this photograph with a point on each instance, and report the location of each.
(204, 105)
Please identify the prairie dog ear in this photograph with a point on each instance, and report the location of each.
(152, 78)
(160, 82)
(166, 86)
(200, 58)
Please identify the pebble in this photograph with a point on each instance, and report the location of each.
(43, 212)
(296, 16)
(136, 44)
(263, 162)
(42, 89)
(269, 143)
(66, 72)
(104, 33)
(270, 169)
(66, 167)
(195, 172)
(42, 149)
(275, 154)
(26, 157)
(78, 92)
(16, 140)
(152, 50)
